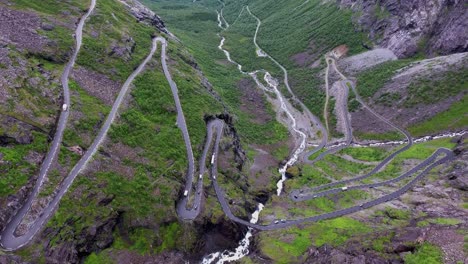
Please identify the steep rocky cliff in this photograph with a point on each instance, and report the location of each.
(435, 27)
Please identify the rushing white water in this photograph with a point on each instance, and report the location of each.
(228, 55)
(241, 251)
(391, 143)
(274, 86)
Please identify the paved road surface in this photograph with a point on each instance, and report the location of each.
(217, 126)
(9, 240)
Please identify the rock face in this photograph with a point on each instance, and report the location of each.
(458, 178)
(326, 254)
(144, 14)
(407, 26)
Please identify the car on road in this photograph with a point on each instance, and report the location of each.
(344, 188)
(212, 159)
(64, 107)
(315, 196)
(283, 220)
(186, 193)
(201, 175)
(276, 222)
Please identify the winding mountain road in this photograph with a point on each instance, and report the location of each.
(215, 128)
(8, 240)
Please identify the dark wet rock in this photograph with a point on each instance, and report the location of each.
(217, 237)
(92, 239)
(458, 176)
(47, 26)
(459, 180)
(106, 200)
(64, 253)
(16, 131)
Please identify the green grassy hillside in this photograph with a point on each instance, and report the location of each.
(142, 164)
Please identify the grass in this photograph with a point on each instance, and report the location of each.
(387, 136)
(425, 253)
(196, 27)
(100, 258)
(421, 91)
(286, 246)
(455, 117)
(440, 221)
(92, 113)
(339, 167)
(425, 149)
(365, 154)
(370, 81)
(310, 176)
(52, 7)
(379, 244)
(313, 28)
(239, 42)
(393, 213)
(16, 170)
(394, 217)
(432, 90)
(147, 193)
(96, 52)
(316, 23)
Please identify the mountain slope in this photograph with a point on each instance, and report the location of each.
(122, 208)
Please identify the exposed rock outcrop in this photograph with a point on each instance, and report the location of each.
(144, 14)
(409, 26)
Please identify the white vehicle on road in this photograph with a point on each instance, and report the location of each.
(212, 159)
(64, 107)
(186, 193)
(344, 188)
(201, 176)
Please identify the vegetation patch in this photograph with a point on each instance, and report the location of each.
(454, 118)
(366, 154)
(286, 246)
(15, 169)
(370, 81)
(429, 91)
(425, 253)
(440, 221)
